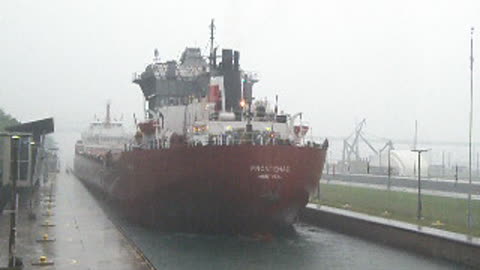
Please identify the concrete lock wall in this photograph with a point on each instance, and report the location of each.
(394, 234)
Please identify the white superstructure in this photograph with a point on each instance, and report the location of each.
(103, 136)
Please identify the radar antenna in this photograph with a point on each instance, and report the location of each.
(156, 58)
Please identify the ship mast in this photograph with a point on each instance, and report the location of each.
(107, 116)
(212, 56)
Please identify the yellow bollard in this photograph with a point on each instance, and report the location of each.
(437, 223)
(346, 206)
(42, 261)
(48, 224)
(48, 213)
(45, 238)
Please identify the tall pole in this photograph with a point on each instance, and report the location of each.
(389, 169)
(419, 199)
(443, 164)
(456, 174)
(449, 160)
(14, 174)
(419, 208)
(478, 164)
(469, 210)
(415, 138)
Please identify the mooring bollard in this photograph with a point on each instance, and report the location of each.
(47, 224)
(45, 238)
(42, 261)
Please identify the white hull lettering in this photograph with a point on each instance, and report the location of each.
(270, 168)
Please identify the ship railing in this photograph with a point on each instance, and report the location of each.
(227, 140)
(254, 139)
(153, 144)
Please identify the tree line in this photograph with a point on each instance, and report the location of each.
(7, 120)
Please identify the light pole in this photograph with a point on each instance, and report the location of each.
(389, 183)
(389, 170)
(14, 175)
(469, 203)
(419, 200)
(31, 172)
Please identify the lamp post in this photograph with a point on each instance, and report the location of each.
(469, 207)
(389, 169)
(32, 162)
(14, 174)
(419, 200)
(390, 147)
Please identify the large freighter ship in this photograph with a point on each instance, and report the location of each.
(208, 157)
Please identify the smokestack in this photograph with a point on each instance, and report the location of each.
(232, 80)
(236, 60)
(227, 59)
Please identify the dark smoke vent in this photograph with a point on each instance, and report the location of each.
(227, 59)
(231, 80)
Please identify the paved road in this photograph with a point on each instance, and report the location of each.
(404, 182)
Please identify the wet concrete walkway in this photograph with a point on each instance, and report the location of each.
(84, 237)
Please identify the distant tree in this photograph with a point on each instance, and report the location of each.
(7, 120)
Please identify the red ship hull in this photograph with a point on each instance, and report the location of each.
(210, 188)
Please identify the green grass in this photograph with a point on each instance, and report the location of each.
(451, 212)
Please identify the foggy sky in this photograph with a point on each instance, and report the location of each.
(391, 62)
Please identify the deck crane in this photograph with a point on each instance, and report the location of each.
(351, 146)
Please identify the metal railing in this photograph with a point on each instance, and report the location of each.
(223, 140)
